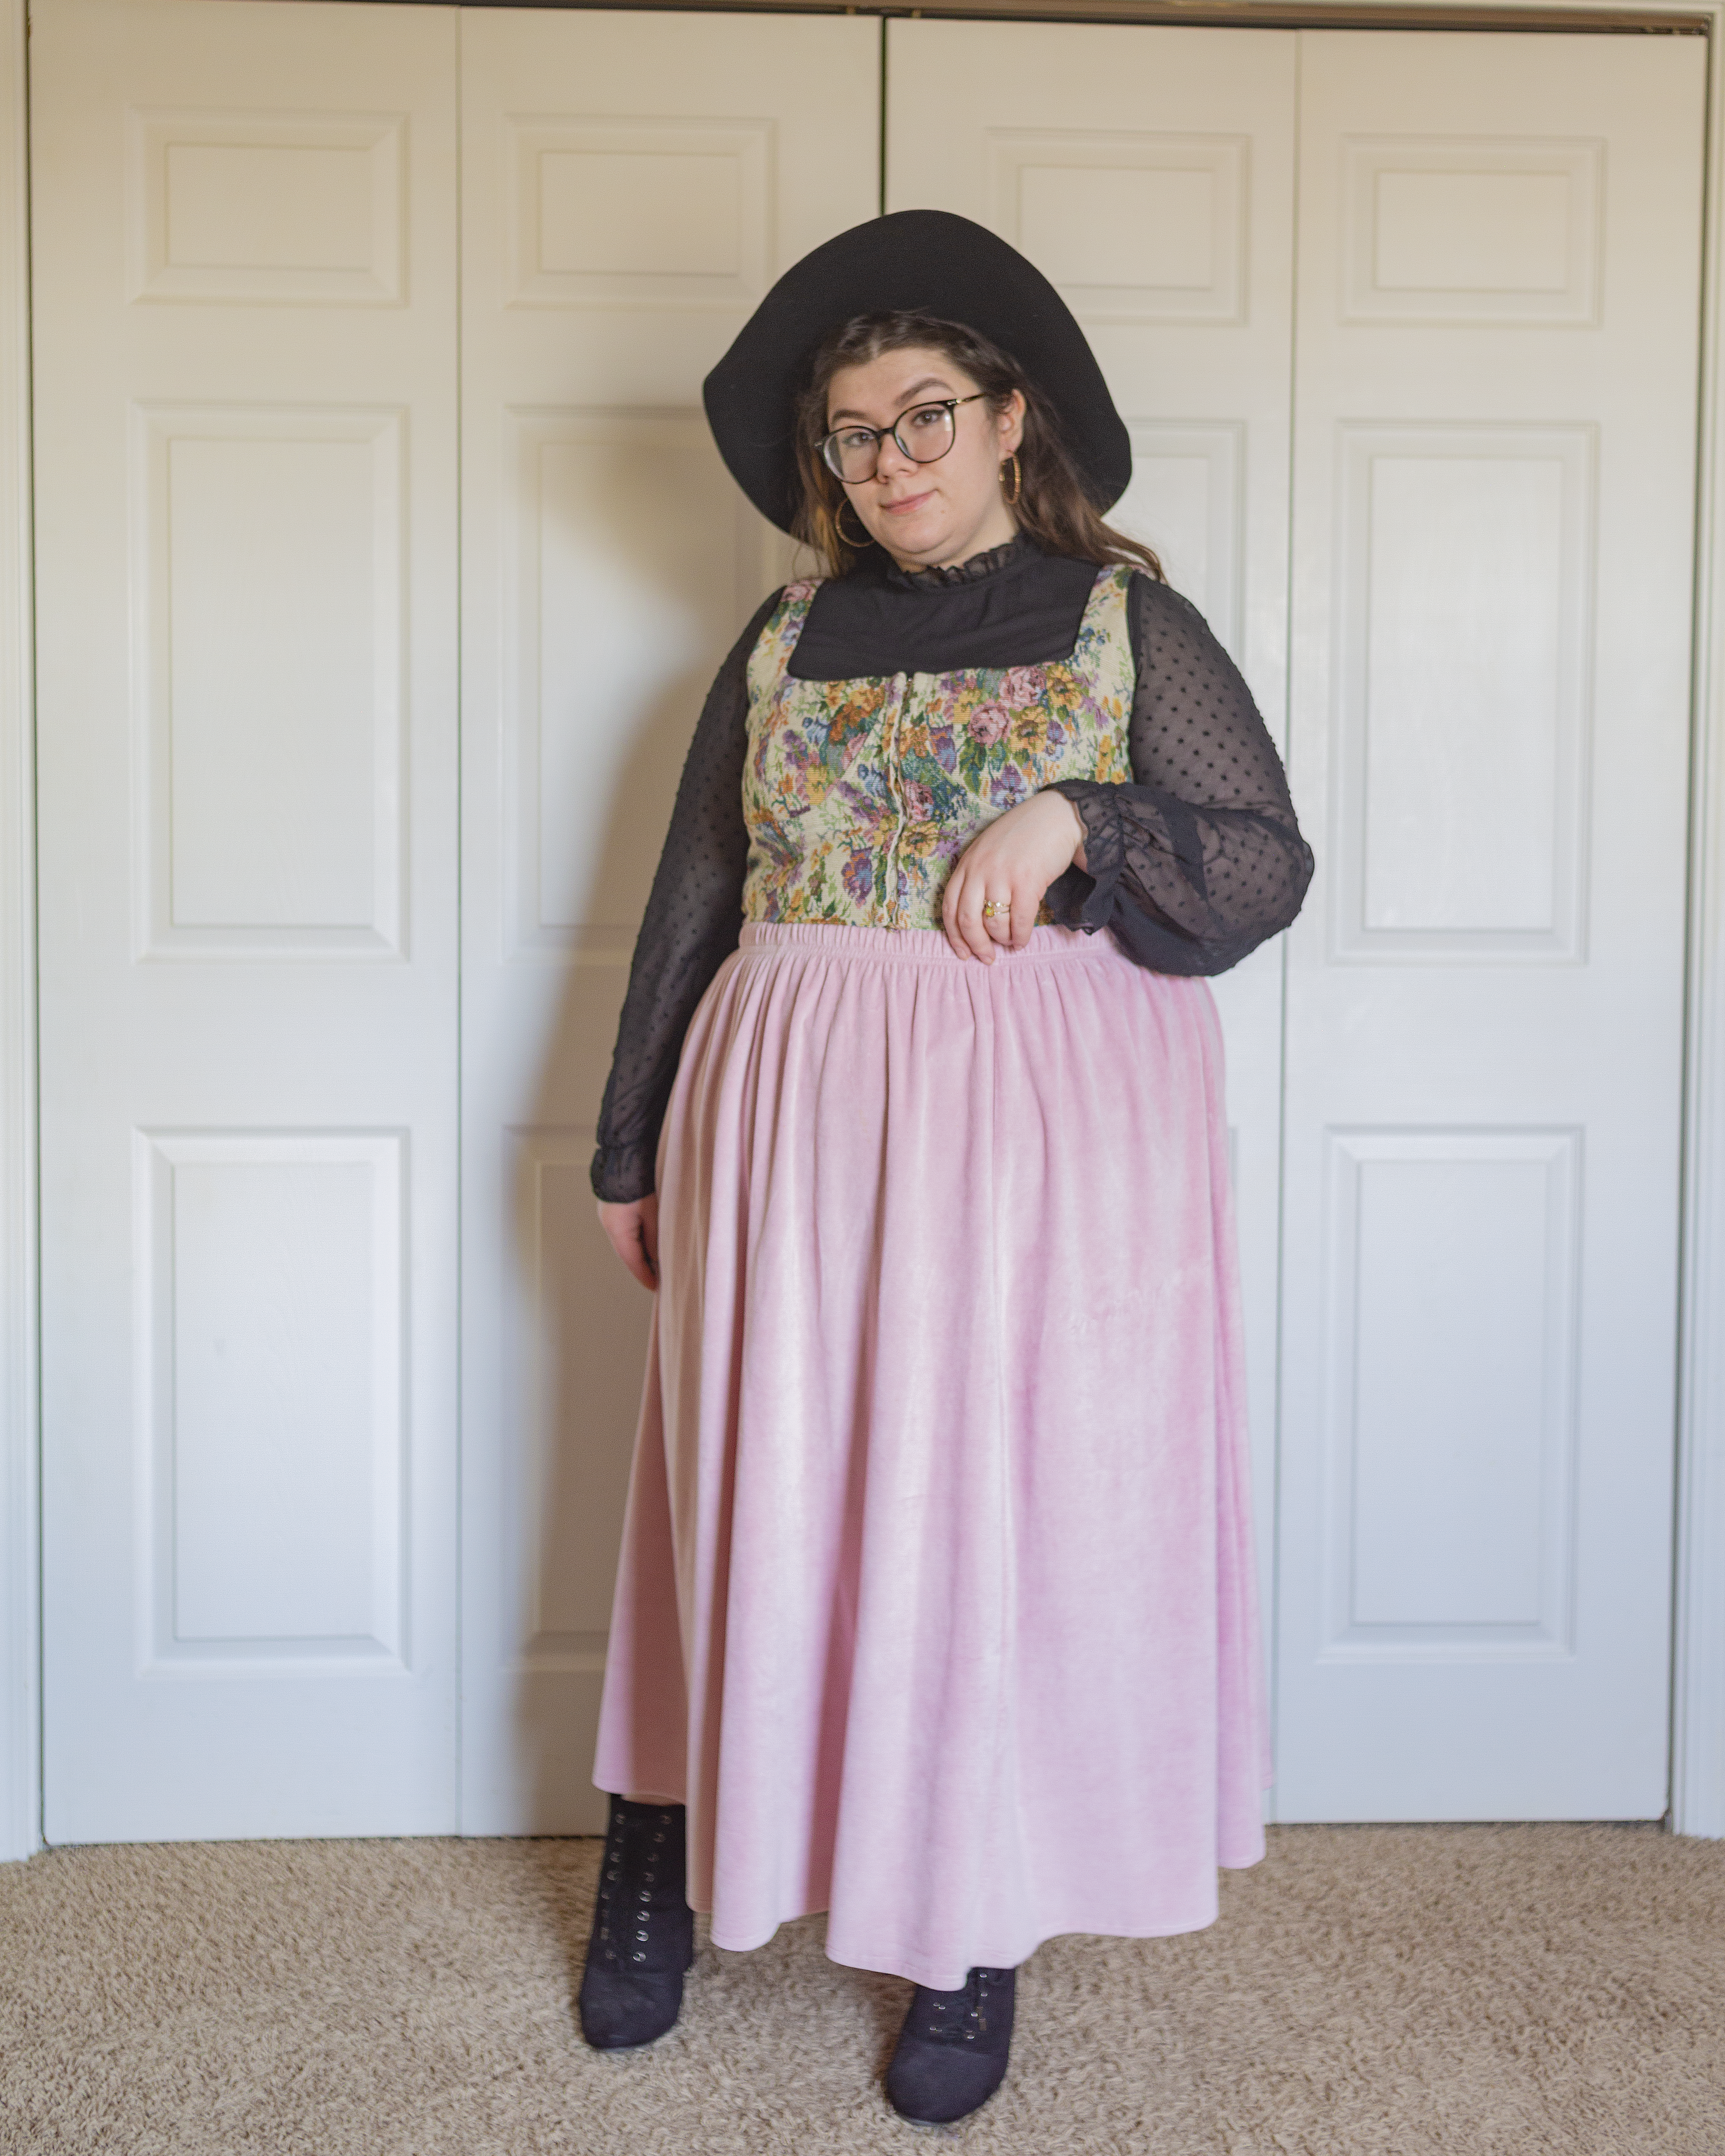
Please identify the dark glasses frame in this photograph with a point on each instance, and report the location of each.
(829, 452)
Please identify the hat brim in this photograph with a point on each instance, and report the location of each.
(930, 262)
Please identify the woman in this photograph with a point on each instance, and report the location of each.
(936, 1602)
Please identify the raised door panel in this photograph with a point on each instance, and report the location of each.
(1452, 1485)
(1148, 172)
(1464, 642)
(1496, 365)
(245, 367)
(632, 184)
(601, 665)
(268, 554)
(271, 1286)
(250, 206)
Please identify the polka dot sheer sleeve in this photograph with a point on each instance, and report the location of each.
(690, 929)
(1200, 860)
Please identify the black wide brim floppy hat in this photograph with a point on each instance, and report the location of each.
(924, 261)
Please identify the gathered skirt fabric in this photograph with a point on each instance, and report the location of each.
(936, 1604)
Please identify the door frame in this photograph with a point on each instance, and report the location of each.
(1697, 1783)
(20, 1450)
(1697, 1779)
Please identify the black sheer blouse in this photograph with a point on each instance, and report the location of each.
(1190, 867)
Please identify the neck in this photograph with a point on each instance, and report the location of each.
(994, 530)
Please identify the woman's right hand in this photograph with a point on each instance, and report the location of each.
(633, 1230)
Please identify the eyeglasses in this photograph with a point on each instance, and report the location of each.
(853, 453)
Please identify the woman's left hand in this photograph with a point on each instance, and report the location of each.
(1011, 862)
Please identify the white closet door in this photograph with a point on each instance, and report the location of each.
(633, 183)
(1499, 247)
(1148, 172)
(245, 384)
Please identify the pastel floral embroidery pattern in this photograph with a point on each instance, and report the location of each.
(860, 795)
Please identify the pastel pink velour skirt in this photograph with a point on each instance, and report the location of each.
(936, 1604)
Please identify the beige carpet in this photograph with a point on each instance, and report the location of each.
(1369, 1991)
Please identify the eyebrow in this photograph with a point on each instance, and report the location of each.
(927, 381)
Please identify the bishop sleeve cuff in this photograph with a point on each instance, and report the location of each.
(1113, 818)
(621, 1173)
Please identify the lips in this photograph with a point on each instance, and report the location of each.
(910, 501)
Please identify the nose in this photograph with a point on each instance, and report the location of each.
(891, 460)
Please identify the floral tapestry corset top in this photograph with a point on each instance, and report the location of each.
(860, 795)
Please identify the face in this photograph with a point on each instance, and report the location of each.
(928, 515)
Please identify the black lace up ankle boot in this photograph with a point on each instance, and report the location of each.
(643, 1930)
(953, 2048)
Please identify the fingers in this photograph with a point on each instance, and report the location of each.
(949, 914)
(974, 929)
(633, 1232)
(971, 933)
(628, 1247)
(961, 914)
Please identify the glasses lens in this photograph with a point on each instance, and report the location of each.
(925, 434)
(852, 453)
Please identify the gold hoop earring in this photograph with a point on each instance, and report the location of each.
(868, 536)
(1017, 488)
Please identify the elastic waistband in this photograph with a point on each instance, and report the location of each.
(910, 947)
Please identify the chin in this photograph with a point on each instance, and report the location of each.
(923, 536)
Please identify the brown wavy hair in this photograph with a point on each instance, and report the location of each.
(1052, 507)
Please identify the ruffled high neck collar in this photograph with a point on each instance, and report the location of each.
(978, 568)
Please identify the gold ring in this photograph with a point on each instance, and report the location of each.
(991, 906)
